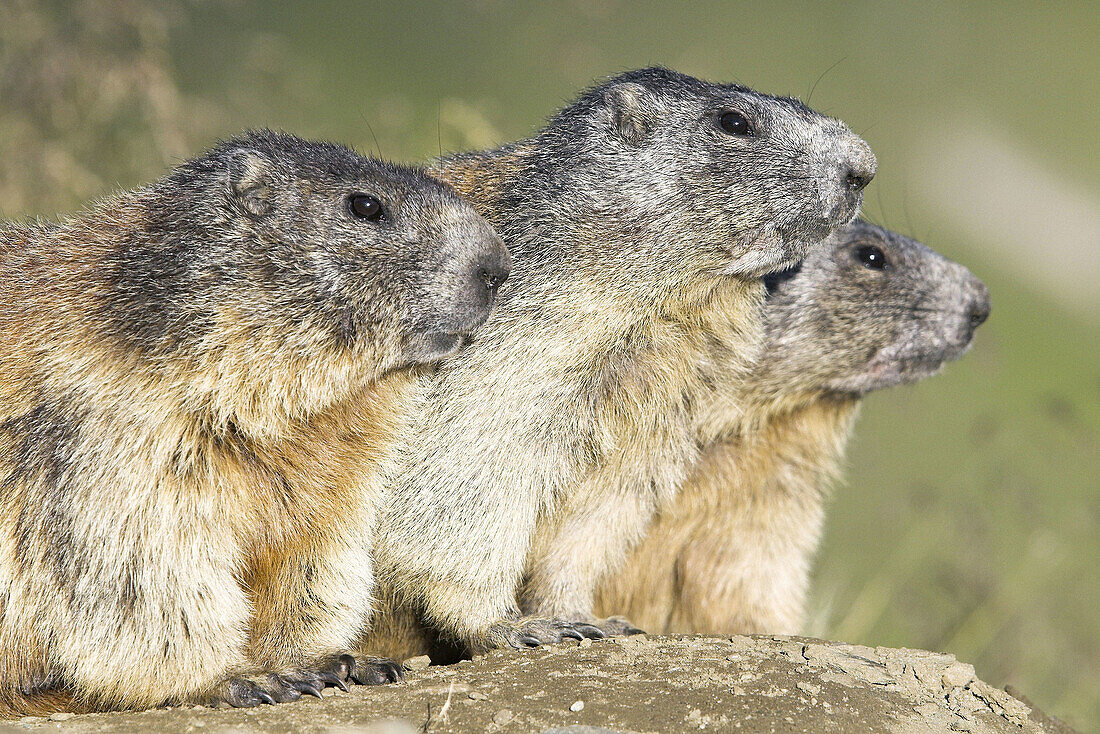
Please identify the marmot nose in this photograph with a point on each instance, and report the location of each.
(975, 308)
(858, 166)
(857, 180)
(979, 309)
(493, 268)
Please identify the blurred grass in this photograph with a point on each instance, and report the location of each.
(968, 521)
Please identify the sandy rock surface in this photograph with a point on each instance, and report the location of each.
(636, 684)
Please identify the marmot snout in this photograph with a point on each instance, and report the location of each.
(868, 310)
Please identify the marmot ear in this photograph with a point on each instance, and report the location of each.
(633, 111)
(251, 184)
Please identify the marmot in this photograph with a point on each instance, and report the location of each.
(637, 211)
(732, 553)
(201, 378)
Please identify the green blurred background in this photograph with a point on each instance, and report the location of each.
(968, 521)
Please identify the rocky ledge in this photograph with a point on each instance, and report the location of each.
(637, 684)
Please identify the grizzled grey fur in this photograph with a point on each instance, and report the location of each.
(869, 310)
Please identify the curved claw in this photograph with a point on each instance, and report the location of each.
(568, 633)
(342, 667)
(378, 671)
(396, 671)
(529, 641)
(333, 679)
(306, 686)
(281, 690)
(243, 693)
(589, 630)
(620, 626)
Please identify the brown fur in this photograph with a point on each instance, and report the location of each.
(675, 578)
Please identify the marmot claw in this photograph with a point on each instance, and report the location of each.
(370, 671)
(590, 630)
(619, 626)
(283, 687)
(244, 693)
(528, 632)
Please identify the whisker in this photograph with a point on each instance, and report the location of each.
(811, 94)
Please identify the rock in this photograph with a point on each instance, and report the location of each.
(811, 688)
(420, 662)
(959, 674)
(654, 684)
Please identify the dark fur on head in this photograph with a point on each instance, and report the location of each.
(260, 226)
(647, 151)
(633, 217)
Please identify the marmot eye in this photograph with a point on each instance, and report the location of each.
(365, 206)
(871, 257)
(735, 124)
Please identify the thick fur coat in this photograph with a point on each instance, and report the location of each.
(732, 553)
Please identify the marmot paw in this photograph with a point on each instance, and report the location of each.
(610, 627)
(244, 691)
(527, 632)
(247, 691)
(371, 671)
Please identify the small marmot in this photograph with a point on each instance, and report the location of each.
(731, 554)
(201, 379)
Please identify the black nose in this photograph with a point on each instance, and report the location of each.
(857, 178)
(493, 269)
(979, 312)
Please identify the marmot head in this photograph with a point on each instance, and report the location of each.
(746, 180)
(312, 242)
(867, 310)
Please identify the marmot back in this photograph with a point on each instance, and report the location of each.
(732, 553)
(643, 209)
(202, 377)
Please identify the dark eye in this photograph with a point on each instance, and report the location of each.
(735, 124)
(871, 257)
(365, 206)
